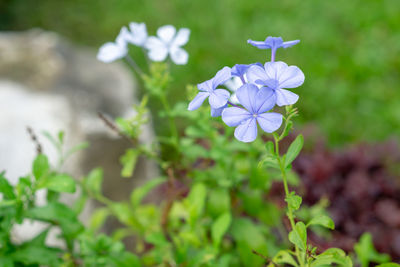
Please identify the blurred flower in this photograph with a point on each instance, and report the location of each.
(110, 51)
(168, 42)
(218, 98)
(278, 75)
(137, 34)
(256, 103)
(272, 43)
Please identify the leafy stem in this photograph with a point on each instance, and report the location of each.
(290, 214)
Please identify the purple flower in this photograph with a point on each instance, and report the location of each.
(278, 75)
(217, 98)
(256, 103)
(240, 70)
(272, 43)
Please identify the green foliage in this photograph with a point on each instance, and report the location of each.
(366, 252)
(294, 150)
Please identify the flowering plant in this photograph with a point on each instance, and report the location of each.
(214, 208)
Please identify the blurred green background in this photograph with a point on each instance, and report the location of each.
(349, 50)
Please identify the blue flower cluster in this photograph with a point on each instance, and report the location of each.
(261, 88)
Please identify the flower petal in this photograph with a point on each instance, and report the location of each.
(291, 77)
(218, 98)
(123, 37)
(258, 44)
(157, 49)
(178, 55)
(109, 52)
(233, 116)
(290, 43)
(222, 76)
(246, 131)
(233, 84)
(198, 100)
(205, 86)
(285, 97)
(166, 33)
(256, 73)
(247, 96)
(269, 122)
(265, 100)
(182, 37)
(138, 33)
(275, 69)
(216, 112)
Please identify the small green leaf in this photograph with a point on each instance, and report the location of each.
(219, 228)
(294, 150)
(61, 136)
(5, 188)
(330, 256)
(196, 201)
(58, 214)
(298, 236)
(284, 257)
(322, 220)
(128, 161)
(58, 183)
(140, 192)
(98, 218)
(218, 202)
(40, 166)
(94, 181)
(270, 147)
(366, 252)
(294, 201)
(391, 264)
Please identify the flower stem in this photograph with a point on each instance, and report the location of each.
(133, 64)
(287, 193)
(171, 119)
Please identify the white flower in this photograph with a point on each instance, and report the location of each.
(233, 84)
(137, 34)
(110, 51)
(168, 42)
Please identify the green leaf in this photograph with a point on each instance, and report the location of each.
(366, 252)
(128, 161)
(40, 166)
(294, 201)
(140, 192)
(94, 181)
(330, 256)
(391, 264)
(75, 149)
(294, 150)
(298, 236)
(218, 202)
(270, 147)
(98, 218)
(59, 183)
(322, 220)
(249, 236)
(57, 214)
(5, 188)
(196, 200)
(284, 257)
(219, 228)
(32, 254)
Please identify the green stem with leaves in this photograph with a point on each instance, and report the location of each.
(290, 213)
(290, 113)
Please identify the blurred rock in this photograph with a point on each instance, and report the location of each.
(49, 84)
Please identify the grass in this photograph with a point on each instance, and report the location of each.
(349, 50)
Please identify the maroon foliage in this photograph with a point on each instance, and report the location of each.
(362, 184)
